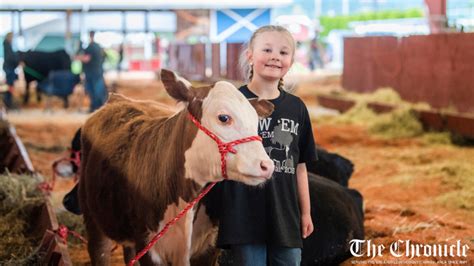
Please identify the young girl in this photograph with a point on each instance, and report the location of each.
(265, 225)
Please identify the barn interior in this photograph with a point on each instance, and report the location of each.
(390, 92)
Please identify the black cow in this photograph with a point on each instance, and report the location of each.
(332, 166)
(38, 65)
(60, 83)
(337, 210)
(338, 217)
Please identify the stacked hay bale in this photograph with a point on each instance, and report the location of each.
(20, 203)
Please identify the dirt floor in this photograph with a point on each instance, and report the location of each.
(405, 182)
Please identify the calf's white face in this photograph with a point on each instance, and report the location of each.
(230, 116)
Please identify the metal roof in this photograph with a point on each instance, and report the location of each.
(91, 5)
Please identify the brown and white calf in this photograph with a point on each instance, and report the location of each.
(142, 163)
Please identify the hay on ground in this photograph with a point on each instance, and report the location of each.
(444, 138)
(400, 123)
(458, 176)
(382, 95)
(359, 114)
(19, 199)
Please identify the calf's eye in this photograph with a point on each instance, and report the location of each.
(224, 118)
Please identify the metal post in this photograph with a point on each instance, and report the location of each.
(147, 26)
(84, 30)
(20, 29)
(437, 15)
(318, 8)
(12, 23)
(345, 7)
(21, 38)
(69, 46)
(124, 23)
(148, 41)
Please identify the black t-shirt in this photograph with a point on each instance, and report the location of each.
(268, 214)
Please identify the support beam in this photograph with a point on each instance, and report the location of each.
(68, 42)
(436, 15)
(124, 23)
(68, 34)
(12, 22)
(20, 28)
(147, 21)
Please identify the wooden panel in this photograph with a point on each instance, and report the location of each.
(436, 69)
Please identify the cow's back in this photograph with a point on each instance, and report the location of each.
(62, 60)
(108, 136)
(120, 116)
(41, 63)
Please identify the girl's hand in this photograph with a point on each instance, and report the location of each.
(306, 225)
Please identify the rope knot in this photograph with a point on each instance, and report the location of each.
(46, 187)
(226, 147)
(63, 232)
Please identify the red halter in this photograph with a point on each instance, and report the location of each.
(224, 148)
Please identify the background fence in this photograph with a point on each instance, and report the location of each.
(206, 61)
(437, 69)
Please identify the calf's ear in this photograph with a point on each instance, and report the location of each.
(264, 108)
(177, 87)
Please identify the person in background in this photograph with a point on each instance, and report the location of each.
(10, 62)
(120, 59)
(266, 225)
(316, 54)
(92, 59)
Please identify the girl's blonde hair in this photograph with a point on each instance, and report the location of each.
(246, 68)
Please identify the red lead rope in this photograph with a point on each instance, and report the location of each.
(47, 187)
(63, 232)
(224, 148)
(170, 223)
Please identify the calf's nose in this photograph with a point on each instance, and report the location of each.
(267, 167)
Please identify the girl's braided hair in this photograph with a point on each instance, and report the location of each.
(247, 69)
